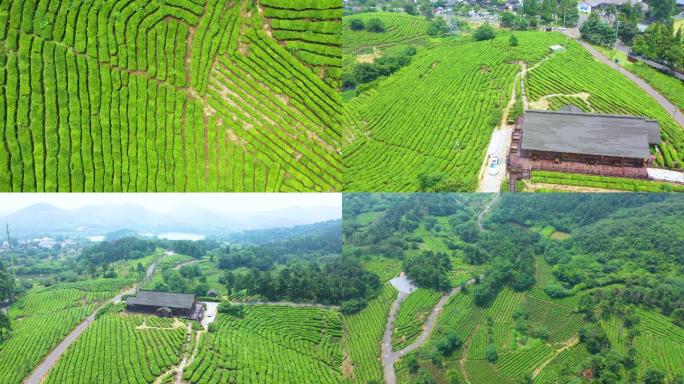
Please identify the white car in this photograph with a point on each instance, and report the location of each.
(493, 167)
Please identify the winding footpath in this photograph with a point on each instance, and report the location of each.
(40, 372)
(389, 357)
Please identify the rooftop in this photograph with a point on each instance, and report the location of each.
(162, 299)
(589, 133)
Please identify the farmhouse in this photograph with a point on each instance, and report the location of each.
(584, 7)
(164, 304)
(575, 136)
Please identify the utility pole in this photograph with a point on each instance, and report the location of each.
(13, 277)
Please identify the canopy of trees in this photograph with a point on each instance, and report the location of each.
(429, 270)
(598, 31)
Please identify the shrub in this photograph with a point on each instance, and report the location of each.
(513, 41)
(235, 310)
(484, 32)
(357, 25)
(375, 25)
(352, 306)
(490, 354)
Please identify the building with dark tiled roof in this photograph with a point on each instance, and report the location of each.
(163, 304)
(572, 135)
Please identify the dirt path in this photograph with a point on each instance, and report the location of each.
(183, 264)
(464, 355)
(571, 342)
(187, 358)
(532, 187)
(41, 370)
(486, 210)
(543, 102)
(664, 102)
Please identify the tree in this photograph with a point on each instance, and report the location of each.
(652, 376)
(513, 41)
(662, 10)
(438, 27)
(365, 73)
(484, 32)
(568, 13)
(628, 28)
(595, 338)
(506, 19)
(410, 8)
(412, 363)
(235, 310)
(530, 7)
(448, 343)
(439, 182)
(598, 31)
(426, 9)
(375, 25)
(356, 25)
(678, 316)
(424, 377)
(490, 354)
(429, 270)
(4, 324)
(548, 10)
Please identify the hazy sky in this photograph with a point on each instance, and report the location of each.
(161, 202)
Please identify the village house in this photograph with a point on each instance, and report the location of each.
(165, 304)
(573, 141)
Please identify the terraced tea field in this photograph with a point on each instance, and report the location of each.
(180, 95)
(413, 312)
(399, 28)
(122, 348)
(435, 114)
(363, 335)
(271, 344)
(615, 94)
(42, 318)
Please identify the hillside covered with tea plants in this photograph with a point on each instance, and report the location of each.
(180, 95)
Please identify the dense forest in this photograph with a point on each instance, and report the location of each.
(305, 266)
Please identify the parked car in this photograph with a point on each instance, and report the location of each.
(493, 167)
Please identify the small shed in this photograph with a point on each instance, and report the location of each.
(212, 293)
(556, 48)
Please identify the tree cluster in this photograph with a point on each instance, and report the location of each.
(429, 270)
(598, 31)
(381, 67)
(659, 43)
(342, 282)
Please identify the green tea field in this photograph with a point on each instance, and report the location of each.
(182, 95)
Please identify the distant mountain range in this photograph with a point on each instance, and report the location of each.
(47, 219)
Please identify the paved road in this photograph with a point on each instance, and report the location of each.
(41, 371)
(666, 175)
(665, 103)
(499, 145)
(389, 357)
